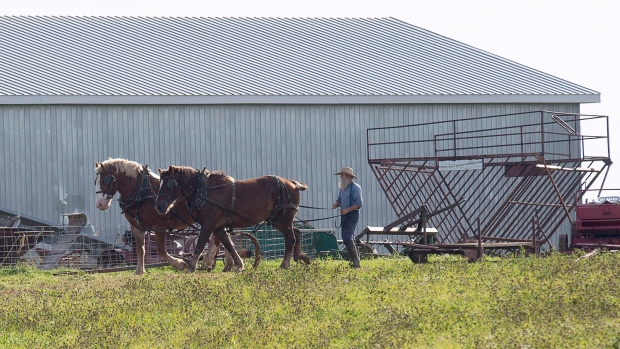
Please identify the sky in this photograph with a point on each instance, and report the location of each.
(575, 40)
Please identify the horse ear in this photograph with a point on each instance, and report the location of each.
(170, 168)
(160, 170)
(97, 164)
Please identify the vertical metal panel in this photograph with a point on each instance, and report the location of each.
(48, 152)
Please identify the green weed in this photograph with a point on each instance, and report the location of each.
(509, 302)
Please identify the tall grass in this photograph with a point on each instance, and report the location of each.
(515, 302)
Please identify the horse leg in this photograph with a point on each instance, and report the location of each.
(177, 263)
(225, 239)
(210, 257)
(298, 254)
(138, 235)
(228, 261)
(203, 237)
(289, 243)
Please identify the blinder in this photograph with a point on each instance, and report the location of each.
(166, 194)
(107, 180)
(171, 184)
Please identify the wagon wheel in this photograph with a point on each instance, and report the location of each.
(188, 249)
(242, 242)
(367, 250)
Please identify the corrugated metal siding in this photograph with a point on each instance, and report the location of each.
(189, 56)
(48, 152)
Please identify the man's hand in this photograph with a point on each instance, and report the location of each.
(336, 205)
(349, 209)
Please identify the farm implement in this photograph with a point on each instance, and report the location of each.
(520, 181)
(597, 223)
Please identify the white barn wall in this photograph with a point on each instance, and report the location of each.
(48, 152)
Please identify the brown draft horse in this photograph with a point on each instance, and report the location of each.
(138, 187)
(218, 202)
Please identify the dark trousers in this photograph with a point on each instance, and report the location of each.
(348, 225)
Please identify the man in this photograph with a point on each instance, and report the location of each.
(350, 202)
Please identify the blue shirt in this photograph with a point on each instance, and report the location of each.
(350, 196)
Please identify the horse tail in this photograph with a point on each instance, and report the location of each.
(299, 185)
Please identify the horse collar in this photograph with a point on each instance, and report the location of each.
(140, 193)
(199, 194)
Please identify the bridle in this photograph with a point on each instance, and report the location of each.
(107, 179)
(171, 183)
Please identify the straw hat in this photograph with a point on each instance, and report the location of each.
(347, 171)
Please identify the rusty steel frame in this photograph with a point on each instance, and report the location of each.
(540, 179)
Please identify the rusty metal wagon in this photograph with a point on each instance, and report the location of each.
(511, 186)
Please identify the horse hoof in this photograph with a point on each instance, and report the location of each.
(302, 258)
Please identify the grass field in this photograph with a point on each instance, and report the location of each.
(511, 302)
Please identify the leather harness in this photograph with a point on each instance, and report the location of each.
(200, 197)
(144, 190)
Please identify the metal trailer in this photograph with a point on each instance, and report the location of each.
(515, 185)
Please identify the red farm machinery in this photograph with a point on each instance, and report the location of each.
(597, 223)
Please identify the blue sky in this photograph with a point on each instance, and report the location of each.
(574, 40)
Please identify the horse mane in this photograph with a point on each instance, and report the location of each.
(217, 173)
(130, 168)
(186, 172)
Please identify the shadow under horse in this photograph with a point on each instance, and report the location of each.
(219, 202)
(138, 187)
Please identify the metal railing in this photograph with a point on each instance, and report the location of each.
(553, 135)
(509, 167)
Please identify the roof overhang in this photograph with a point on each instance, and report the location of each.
(417, 99)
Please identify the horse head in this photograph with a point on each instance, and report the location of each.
(107, 183)
(112, 176)
(169, 188)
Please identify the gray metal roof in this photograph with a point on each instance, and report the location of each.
(144, 60)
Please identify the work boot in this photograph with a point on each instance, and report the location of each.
(353, 256)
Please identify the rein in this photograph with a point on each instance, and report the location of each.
(316, 208)
(318, 219)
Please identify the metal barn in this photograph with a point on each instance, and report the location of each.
(292, 97)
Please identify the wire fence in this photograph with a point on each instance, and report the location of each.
(87, 247)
